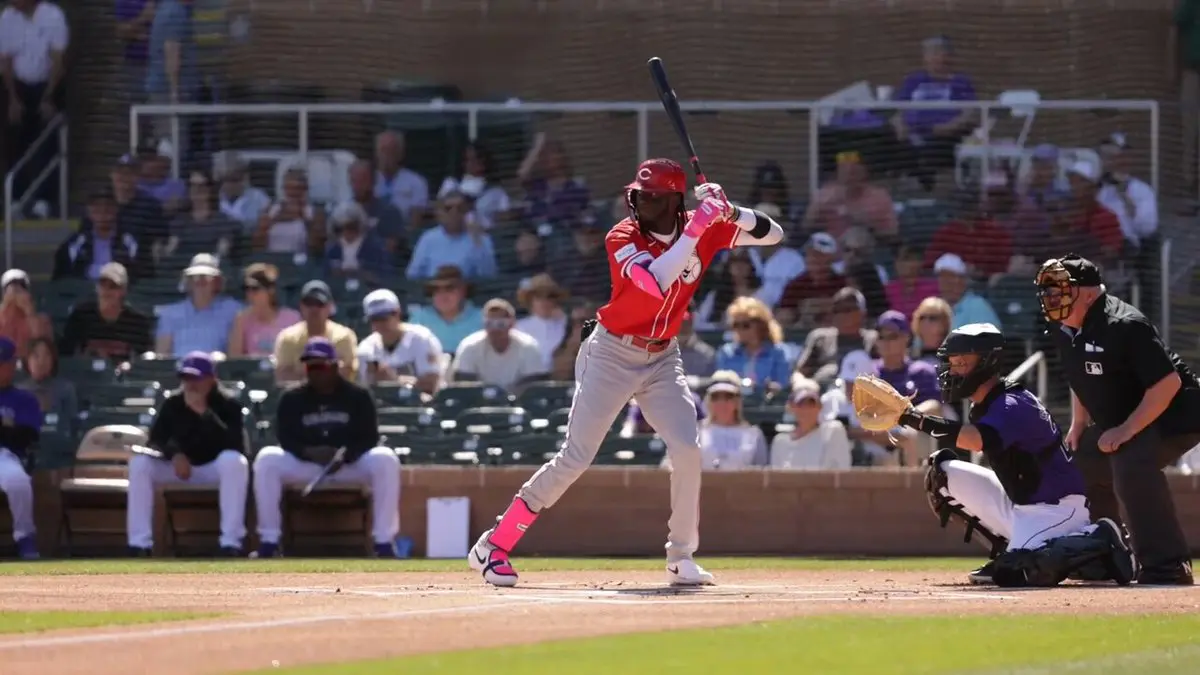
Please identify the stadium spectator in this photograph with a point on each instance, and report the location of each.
(384, 219)
(33, 39)
(396, 351)
(1136, 207)
(138, 212)
(916, 379)
(458, 240)
(755, 353)
(20, 321)
(478, 182)
(83, 254)
(1096, 228)
(583, 272)
(814, 443)
(56, 395)
(563, 361)
(316, 306)
(172, 72)
(292, 224)
(635, 420)
(200, 226)
(933, 135)
(776, 265)
(450, 315)
(108, 327)
(237, 198)
(825, 348)
(931, 322)
(256, 327)
(869, 448)
(529, 259)
(850, 200)
(23, 422)
(862, 272)
(133, 30)
(984, 246)
(499, 355)
(201, 321)
(357, 251)
(805, 297)
(737, 279)
(406, 189)
(553, 195)
(954, 286)
(911, 285)
(770, 186)
(699, 357)
(546, 323)
(154, 174)
(727, 441)
(1042, 186)
(200, 436)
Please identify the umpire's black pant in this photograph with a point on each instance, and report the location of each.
(1133, 478)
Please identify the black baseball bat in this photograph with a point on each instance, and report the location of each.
(670, 102)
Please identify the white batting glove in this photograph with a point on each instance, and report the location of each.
(715, 194)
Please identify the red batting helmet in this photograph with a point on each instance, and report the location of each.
(659, 175)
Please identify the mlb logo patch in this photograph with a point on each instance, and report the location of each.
(1093, 368)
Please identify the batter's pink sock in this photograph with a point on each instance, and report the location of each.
(512, 526)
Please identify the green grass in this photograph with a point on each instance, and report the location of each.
(833, 645)
(36, 622)
(324, 566)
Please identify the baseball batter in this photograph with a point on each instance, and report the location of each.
(656, 258)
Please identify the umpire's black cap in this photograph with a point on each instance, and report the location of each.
(1083, 271)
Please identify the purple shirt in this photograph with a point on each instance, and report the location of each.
(1024, 425)
(128, 10)
(166, 190)
(921, 86)
(557, 207)
(857, 120)
(915, 377)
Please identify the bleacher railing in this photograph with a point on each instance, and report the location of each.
(645, 111)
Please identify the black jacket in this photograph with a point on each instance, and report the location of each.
(74, 256)
(178, 429)
(346, 417)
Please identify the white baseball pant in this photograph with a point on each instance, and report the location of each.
(230, 472)
(378, 469)
(1025, 526)
(17, 487)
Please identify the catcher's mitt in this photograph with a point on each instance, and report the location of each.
(877, 403)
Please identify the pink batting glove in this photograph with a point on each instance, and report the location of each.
(709, 213)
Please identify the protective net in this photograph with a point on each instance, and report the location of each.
(319, 51)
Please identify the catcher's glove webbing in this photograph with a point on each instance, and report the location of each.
(877, 403)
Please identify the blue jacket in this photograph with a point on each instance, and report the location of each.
(770, 364)
(372, 256)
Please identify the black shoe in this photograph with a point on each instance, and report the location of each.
(230, 552)
(983, 575)
(1178, 574)
(1122, 566)
(139, 552)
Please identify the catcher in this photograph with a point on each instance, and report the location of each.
(1029, 507)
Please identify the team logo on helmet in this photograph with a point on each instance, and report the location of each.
(645, 173)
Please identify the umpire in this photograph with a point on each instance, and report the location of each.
(1135, 409)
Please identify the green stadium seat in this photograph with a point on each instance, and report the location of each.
(85, 370)
(544, 397)
(715, 338)
(55, 449)
(455, 398)
(488, 420)
(99, 417)
(920, 219)
(70, 289)
(397, 422)
(396, 394)
(253, 370)
(450, 449)
(1015, 300)
(765, 414)
(530, 449)
(553, 422)
(641, 450)
(152, 370)
(125, 394)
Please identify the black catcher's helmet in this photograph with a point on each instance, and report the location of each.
(983, 339)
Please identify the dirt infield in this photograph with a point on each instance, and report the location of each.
(293, 619)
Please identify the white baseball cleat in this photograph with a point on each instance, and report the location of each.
(493, 564)
(687, 573)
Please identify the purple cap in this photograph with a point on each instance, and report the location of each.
(319, 349)
(894, 320)
(196, 364)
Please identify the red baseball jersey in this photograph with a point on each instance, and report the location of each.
(630, 311)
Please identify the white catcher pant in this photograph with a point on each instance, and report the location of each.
(1025, 526)
(230, 472)
(378, 469)
(17, 486)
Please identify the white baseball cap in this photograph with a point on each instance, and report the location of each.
(1086, 170)
(950, 262)
(14, 276)
(379, 302)
(823, 242)
(857, 362)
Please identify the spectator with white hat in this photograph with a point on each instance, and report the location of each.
(396, 351)
(815, 443)
(954, 287)
(727, 440)
(200, 322)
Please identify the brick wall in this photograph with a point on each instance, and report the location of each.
(616, 511)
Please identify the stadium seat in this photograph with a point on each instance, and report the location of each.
(449, 449)
(256, 372)
(396, 394)
(97, 487)
(1017, 306)
(553, 422)
(488, 420)
(55, 449)
(542, 398)
(86, 370)
(920, 219)
(763, 414)
(531, 449)
(397, 422)
(152, 370)
(141, 417)
(455, 398)
(640, 450)
(126, 394)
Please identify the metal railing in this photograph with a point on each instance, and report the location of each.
(57, 126)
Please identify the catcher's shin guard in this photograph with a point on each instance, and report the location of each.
(945, 507)
(1052, 563)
